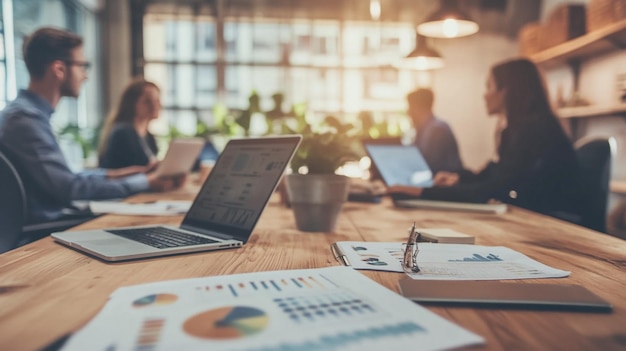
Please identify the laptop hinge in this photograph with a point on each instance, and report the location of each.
(208, 232)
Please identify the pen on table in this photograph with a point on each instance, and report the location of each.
(339, 255)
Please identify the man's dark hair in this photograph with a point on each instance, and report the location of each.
(46, 45)
(421, 98)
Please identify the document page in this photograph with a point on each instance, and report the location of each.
(448, 261)
(332, 308)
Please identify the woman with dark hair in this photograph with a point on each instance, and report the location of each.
(536, 167)
(125, 139)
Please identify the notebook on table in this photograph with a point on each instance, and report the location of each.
(223, 214)
(405, 165)
(503, 295)
(451, 206)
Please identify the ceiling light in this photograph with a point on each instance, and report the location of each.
(422, 58)
(448, 22)
(375, 9)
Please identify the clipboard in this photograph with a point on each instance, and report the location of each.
(495, 294)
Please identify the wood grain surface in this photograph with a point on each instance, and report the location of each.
(63, 289)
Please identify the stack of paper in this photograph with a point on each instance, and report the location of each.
(447, 262)
(319, 309)
(445, 236)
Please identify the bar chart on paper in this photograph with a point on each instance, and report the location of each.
(244, 288)
(474, 262)
(326, 309)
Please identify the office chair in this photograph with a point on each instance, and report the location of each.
(14, 211)
(12, 206)
(594, 160)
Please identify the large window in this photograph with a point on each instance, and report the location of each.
(85, 112)
(19, 18)
(335, 67)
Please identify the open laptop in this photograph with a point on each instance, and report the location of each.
(180, 157)
(405, 165)
(400, 164)
(223, 214)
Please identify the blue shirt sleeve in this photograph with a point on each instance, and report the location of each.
(33, 147)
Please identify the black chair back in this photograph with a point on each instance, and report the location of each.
(594, 159)
(12, 205)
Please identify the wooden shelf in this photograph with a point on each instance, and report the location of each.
(618, 186)
(591, 111)
(603, 40)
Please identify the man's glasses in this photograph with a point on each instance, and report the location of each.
(82, 64)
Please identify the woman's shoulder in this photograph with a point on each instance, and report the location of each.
(123, 128)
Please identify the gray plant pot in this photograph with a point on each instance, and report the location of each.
(317, 199)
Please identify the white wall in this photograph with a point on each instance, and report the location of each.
(459, 89)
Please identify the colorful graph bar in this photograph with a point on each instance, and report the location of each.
(479, 258)
(149, 335)
(287, 284)
(342, 340)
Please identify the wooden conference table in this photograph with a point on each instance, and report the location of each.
(63, 289)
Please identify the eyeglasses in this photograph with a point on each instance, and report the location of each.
(82, 64)
(409, 264)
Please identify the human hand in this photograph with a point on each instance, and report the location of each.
(406, 190)
(446, 179)
(126, 171)
(152, 165)
(158, 183)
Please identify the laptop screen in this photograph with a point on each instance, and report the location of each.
(238, 188)
(400, 164)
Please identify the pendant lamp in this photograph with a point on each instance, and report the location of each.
(422, 58)
(448, 22)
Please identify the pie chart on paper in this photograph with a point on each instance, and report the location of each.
(155, 299)
(232, 322)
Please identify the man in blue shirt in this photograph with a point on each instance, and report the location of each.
(57, 68)
(434, 137)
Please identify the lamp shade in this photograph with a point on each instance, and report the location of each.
(448, 22)
(422, 58)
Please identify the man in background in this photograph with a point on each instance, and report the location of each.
(57, 68)
(433, 137)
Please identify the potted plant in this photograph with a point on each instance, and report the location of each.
(318, 196)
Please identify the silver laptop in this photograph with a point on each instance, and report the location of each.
(405, 165)
(180, 157)
(223, 214)
(400, 164)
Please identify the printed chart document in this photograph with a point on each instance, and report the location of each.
(446, 261)
(332, 308)
(158, 208)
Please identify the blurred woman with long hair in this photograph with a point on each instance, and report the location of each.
(125, 139)
(536, 167)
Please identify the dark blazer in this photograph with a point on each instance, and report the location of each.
(537, 170)
(126, 147)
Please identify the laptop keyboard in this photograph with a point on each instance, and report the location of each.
(161, 238)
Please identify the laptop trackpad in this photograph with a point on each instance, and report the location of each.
(115, 246)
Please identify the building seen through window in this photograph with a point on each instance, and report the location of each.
(335, 67)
